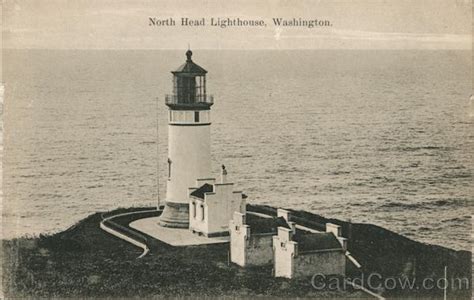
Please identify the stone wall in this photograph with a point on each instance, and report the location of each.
(331, 262)
(259, 250)
(238, 239)
(284, 249)
(247, 249)
(290, 264)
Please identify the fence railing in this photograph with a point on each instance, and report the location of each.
(189, 99)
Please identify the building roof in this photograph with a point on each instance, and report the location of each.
(205, 188)
(316, 241)
(265, 225)
(189, 68)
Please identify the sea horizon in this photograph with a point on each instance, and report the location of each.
(375, 136)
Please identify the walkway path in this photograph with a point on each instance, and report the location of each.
(135, 238)
(173, 236)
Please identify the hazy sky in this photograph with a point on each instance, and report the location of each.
(119, 24)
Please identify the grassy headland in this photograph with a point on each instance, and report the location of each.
(85, 261)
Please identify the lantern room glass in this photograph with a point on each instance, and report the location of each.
(190, 89)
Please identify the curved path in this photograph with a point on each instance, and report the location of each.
(104, 225)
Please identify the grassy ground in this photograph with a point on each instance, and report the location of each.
(84, 261)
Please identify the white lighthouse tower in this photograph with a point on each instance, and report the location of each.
(189, 141)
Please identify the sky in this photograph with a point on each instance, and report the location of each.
(119, 24)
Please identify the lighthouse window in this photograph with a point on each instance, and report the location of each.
(196, 116)
(169, 168)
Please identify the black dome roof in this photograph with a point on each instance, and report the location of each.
(189, 68)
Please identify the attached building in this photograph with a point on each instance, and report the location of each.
(299, 255)
(211, 206)
(251, 238)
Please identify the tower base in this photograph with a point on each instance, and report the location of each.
(175, 215)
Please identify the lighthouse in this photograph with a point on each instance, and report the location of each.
(189, 140)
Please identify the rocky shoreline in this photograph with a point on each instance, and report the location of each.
(85, 261)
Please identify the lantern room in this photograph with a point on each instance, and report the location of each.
(189, 87)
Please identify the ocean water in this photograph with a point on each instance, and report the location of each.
(382, 137)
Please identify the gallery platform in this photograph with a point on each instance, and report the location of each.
(173, 236)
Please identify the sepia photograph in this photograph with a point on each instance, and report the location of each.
(236, 149)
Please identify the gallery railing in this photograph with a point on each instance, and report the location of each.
(197, 99)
